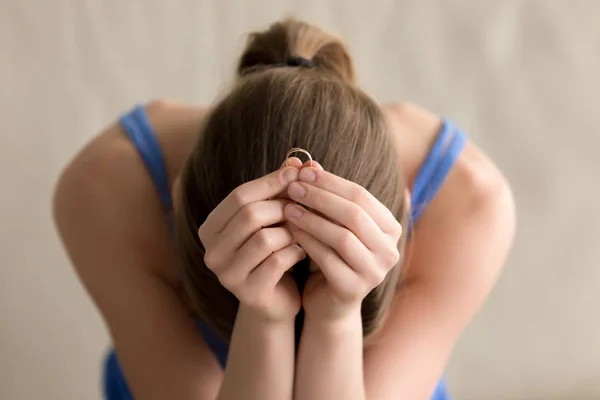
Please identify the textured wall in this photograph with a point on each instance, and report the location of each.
(520, 76)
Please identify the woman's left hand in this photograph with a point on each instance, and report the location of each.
(350, 236)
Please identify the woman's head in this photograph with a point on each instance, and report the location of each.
(271, 109)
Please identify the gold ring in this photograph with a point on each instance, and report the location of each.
(297, 150)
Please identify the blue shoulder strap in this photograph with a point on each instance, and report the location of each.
(140, 132)
(137, 127)
(442, 156)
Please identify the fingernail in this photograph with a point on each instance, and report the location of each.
(290, 174)
(307, 175)
(294, 211)
(296, 191)
(317, 165)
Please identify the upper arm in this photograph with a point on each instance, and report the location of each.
(112, 224)
(456, 253)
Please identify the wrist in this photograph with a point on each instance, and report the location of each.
(348, 321)
(247, 315)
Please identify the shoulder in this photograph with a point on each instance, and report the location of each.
(413, 130)
(105, 190)
(109, 166)
(454, 256)
(110, 156)
(474, 179)
(112, 224)
(476, 199)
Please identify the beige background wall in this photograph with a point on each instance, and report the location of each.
(520, 76)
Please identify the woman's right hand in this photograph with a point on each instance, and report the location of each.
(250, 249)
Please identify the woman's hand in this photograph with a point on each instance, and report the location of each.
(250, 250)
(350, 236)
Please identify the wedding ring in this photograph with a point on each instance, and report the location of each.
(297, 150)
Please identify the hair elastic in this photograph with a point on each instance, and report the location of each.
(297, 150)
(299, 62)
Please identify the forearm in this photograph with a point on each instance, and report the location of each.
(261, 360)
(330, 360)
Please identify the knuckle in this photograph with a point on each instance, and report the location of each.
(277, 259)
(397, 230)
(263, 239)
(329, 258)
(239, 196)
(389, 258)
(369, 277)
(365, 288)
(250, 216)
(201, 232)
(273, 182)
(358, 193)
(211, 260)
(229, 279)
(308, 225)
(392, 256)
(355, 214)
(377, 276)
(328, 183)
(318, 198)
(347, 241)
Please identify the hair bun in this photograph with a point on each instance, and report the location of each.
(295, 43)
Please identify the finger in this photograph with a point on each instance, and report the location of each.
(338, 274)
(356, 194)
(260, 246)
(292, 162)
(313, 164)
(262, 188)
(246, 222)
(347, 245)
(341, 210)
(271, 270)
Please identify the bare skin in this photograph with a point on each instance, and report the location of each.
(112, 223)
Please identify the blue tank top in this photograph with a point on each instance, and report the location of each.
(438, 163)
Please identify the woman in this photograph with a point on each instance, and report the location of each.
(324, 301)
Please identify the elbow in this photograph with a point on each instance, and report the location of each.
(64, 191)
(487, 194)
(494, 200)
(492, 211)
(69, 187)
(68, 198)
(484, 203)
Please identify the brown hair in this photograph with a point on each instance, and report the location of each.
(246, 135)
